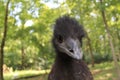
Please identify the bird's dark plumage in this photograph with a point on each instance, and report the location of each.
(67, 41)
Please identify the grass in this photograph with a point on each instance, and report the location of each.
(25, 74)
(103, 71)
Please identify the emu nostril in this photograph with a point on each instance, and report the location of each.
(71, 50)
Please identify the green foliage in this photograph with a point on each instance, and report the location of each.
(99, 58)
(13, 60)
(35, 37)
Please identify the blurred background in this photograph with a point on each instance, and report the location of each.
(26, 31)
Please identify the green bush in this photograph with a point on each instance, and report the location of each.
(98, 58)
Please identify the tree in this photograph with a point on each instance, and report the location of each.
(110, 40)
(25, 38)
(3, 41)
(90, 48)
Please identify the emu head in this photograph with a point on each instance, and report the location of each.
(67, 37)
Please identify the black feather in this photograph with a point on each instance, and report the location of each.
(65, 67)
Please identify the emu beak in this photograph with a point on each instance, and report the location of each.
(73, 46)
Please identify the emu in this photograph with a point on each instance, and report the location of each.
(67, 41)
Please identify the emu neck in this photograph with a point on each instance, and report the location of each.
(64, 66)
(62, 59)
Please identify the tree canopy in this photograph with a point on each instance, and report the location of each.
(31, 23)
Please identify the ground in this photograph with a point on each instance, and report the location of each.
(103, 71)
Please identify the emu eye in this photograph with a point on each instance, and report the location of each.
(60, 39)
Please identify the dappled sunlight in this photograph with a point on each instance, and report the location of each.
(108, 74)
(102, 76)
(95, 71)
(104, 71)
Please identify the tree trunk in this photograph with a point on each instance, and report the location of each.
(118, 35)
(110, 42)
(90, 48)
(22, 57)
(3, 41)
